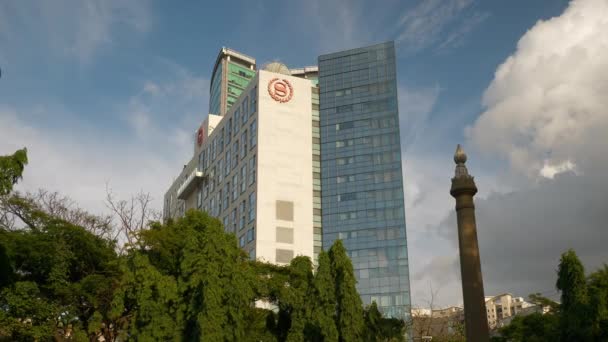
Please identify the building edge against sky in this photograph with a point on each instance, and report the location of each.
(256, 168)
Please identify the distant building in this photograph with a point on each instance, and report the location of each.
(437, 324)
(502, 308)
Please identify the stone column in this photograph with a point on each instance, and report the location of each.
(463, 189)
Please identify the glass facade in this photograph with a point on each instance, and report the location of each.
(215, 96)
(231, 76)
(362, 196)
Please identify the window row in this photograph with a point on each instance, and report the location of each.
(239, 216)
(384, 122)
(368, 89)
(378, 177)
(383, 301)
(372, 141)
(375, 158)
(379, 214)
(247, 238)
(234, 152)
(373, 195)
(240, 180)
(224, 135)
(375, 233)
(364, 107)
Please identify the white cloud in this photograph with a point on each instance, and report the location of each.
(546, 115)
(415, 104)
(77, 159)
(429, 21)
(74, 28)
(547, 102)
(549, 171)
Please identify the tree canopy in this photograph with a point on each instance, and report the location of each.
(582, 314)
(63, 277)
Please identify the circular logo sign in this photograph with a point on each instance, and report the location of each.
(200, 136)
(280, 90)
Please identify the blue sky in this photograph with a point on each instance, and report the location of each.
(108, 92)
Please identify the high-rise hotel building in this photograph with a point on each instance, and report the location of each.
(292, 159)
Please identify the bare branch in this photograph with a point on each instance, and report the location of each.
(133, 216)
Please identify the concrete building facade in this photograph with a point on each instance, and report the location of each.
(502, 308)
(253, 169)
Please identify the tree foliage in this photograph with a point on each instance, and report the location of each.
(582, 314)
(65, 278)
(11, 170)
(349, 308)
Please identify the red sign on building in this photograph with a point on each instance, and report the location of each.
(280, 90)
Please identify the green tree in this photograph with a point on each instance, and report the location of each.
(574, 318)
(535, 327)
(56, 270)
(378, 328)
(11, 170)
(187, 280)
(296, 299)
(325, 302)
(598, 299)
(349, 309)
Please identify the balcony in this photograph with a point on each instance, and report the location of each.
(191, 182)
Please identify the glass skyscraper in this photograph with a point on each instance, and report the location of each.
(361, 179)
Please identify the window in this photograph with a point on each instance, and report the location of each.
(244, 144)
(283, 256)
(250, 234)
(246, 105)
(252, 134)
(284, 210)
(242, 208)
(242, 241)
(225, 222)
(233, 220)
(347, 197)
(228, 162)
(212, 180)
(220, 173)
(244, 115)
(199, 199)
(226, 195)
(237, 123)
(252, 170)
(244, 178)
(229, 132)
(284, 235)
(251, 206)
(219, 203)
(254, 100)
(201, 160)
(235, 186)
(220, 147)
(235, 153)
(213, 145)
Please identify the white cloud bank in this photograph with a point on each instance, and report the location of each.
(547, 115)
(547, 107)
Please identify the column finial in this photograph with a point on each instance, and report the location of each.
(460, 158)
